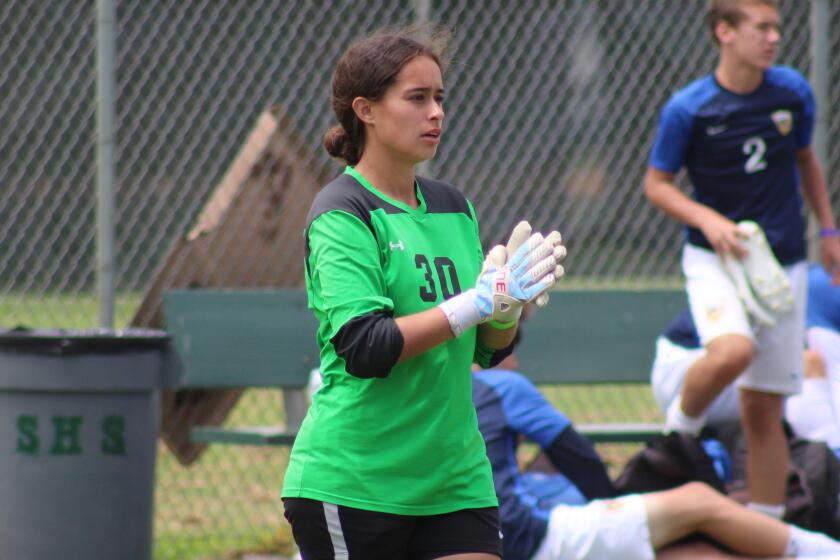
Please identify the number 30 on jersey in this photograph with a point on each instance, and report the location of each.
(447, 277)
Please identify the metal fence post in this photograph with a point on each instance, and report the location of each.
(106, 19)
(820, 40)
(422, 12)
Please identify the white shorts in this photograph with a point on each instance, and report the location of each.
(717, 311)
(670, 367)
(599, 530)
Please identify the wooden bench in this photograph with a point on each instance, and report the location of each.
(241, 339)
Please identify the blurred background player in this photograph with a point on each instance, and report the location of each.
(813, 414)
(823, 325)
(743, 133)
(568, 512)
(389, 462)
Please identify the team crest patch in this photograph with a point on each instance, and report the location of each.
(614, 505)
(783, 120)
(715, 312)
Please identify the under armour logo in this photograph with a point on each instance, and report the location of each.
(398, 245)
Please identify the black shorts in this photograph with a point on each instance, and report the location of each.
(325, 531)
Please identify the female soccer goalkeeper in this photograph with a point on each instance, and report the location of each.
(389, 462)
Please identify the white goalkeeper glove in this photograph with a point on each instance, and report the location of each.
(520, 234)
(501, 291)
(555, 240)
(761, 282)
(498, 256)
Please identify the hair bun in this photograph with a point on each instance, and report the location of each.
(334, 140)
(338, 144)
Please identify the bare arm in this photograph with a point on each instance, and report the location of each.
(816, 193)
(721, 232)
(422, 331)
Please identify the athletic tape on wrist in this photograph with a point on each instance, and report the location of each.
(828, 232)
(461, 312)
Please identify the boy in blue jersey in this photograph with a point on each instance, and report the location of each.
(568, 513)
(743, 133)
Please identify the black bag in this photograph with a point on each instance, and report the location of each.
(668, 461)
(813, 485)
(818, 469)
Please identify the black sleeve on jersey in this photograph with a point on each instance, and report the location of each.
(488, 357)
(575, 456)
(370, 344)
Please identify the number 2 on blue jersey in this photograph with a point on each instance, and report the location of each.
(755, 148)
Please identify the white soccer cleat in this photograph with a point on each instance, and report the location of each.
(742, 286)
(760, 280)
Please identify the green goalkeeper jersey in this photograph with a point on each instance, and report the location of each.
(407, 443)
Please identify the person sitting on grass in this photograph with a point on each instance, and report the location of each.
(571, 514)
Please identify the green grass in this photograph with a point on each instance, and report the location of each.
(228, 502)
(65, 311)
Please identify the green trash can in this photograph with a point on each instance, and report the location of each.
(80, 413)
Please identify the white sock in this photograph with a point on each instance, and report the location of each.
(776, 511)
(802, 543)
(678, 421)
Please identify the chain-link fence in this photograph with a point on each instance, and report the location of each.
(551, 109)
